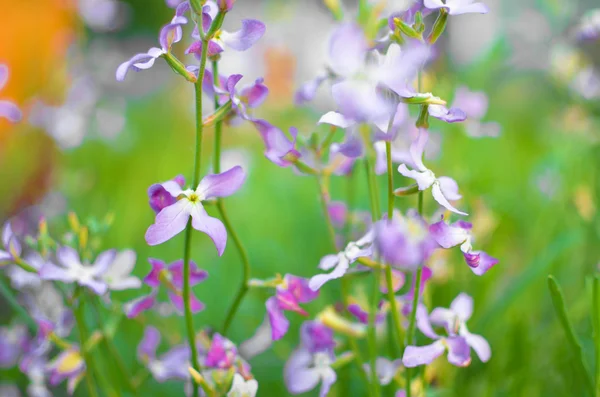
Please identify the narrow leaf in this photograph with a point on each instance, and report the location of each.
(561, 311)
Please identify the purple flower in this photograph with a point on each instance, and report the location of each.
(293, 291)
(340, 262)
(457, 7)
(118, 276)
(311, 362)
(169, 34)
(451, 115)
(386, 369)
(459, 233)
(249, 96)
(404, 242)
(8, 109)
(362, 315)
(172, 219)
(72, 270)
(222, 353)
(13, 341)
(171, 365)
(443, 189)
(160, 198)
(12, 247)
(589, 26)
(69, 365)
(279, 149)
(308, 90)
(454, 321)
(172, 278)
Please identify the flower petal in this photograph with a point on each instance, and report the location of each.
(149, 343)
(308, 90)
(448, 236)
(316, 282)
(298, 286)
(459, 352)
(103, 262)
(451, 115)
(52, 272)
(328, 378)
(197, 275)
(223, 184)
(422, 355)
(213, 227)
(462, 305)
(135, 307)
(347, 49)
(298, 376)
(251, 31)
(255, 94)
(138, 62)
(279, 323)
(169, 222)
(439, 197)
(486, 262)
(480, 345)
(335, 119)
(10, 111)
(68, 257)
(449, 188)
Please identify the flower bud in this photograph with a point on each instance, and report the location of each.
(438, 27)
(225, 5)
(330, 318)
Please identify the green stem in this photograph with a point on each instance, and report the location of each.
(390, 179)
(189, 322)
(7, 293)
(323, 195)
(372, 337)
(243, 289)
(596, 324)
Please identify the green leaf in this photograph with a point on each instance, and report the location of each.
(561, 311)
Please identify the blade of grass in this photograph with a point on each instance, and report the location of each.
(561, 311)
(596, 324)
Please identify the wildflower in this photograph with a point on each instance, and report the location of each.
(172, 278)
(118, 276)
(475, 106)
(589, 26)
(249, 96)
(451, 115)
(459, 341)
(20, 278)
(386, 369)
(69, 365)
(357, 310)
(340, 262)
(311, 362)
(8, 109)
(457, 7)
(242, 388)
(459, 233)
(278, 148)
(290, 293)
(171, 365)
(172, 219)
(169, 34)
(11, 246)
(73, 270)
(443, 189)
(404, 242)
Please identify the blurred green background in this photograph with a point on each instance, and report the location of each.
(532, 192)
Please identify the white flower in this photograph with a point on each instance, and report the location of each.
(242, 388)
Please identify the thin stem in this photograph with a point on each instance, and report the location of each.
(390, 179)
(243, 289)
(323, 195)
(245, 267)
(372, 336)
(189, 322)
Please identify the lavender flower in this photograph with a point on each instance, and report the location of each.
(362, 315)
(20, 278)
(73, 270)
(340, 262)
(242, 388)
(589, 26)
(12, 247)
(404, 242)
(249, 96)
(172, 278)
(171, 365)
(443, 189)
(169, 34)
(13, 341)
(68, 365)
(172, 219)
(278, 148)
(160, 198)
(457, 7)
(459, 233)
(8, 109)
(311, 362)
(293, 291)
(118, 275)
